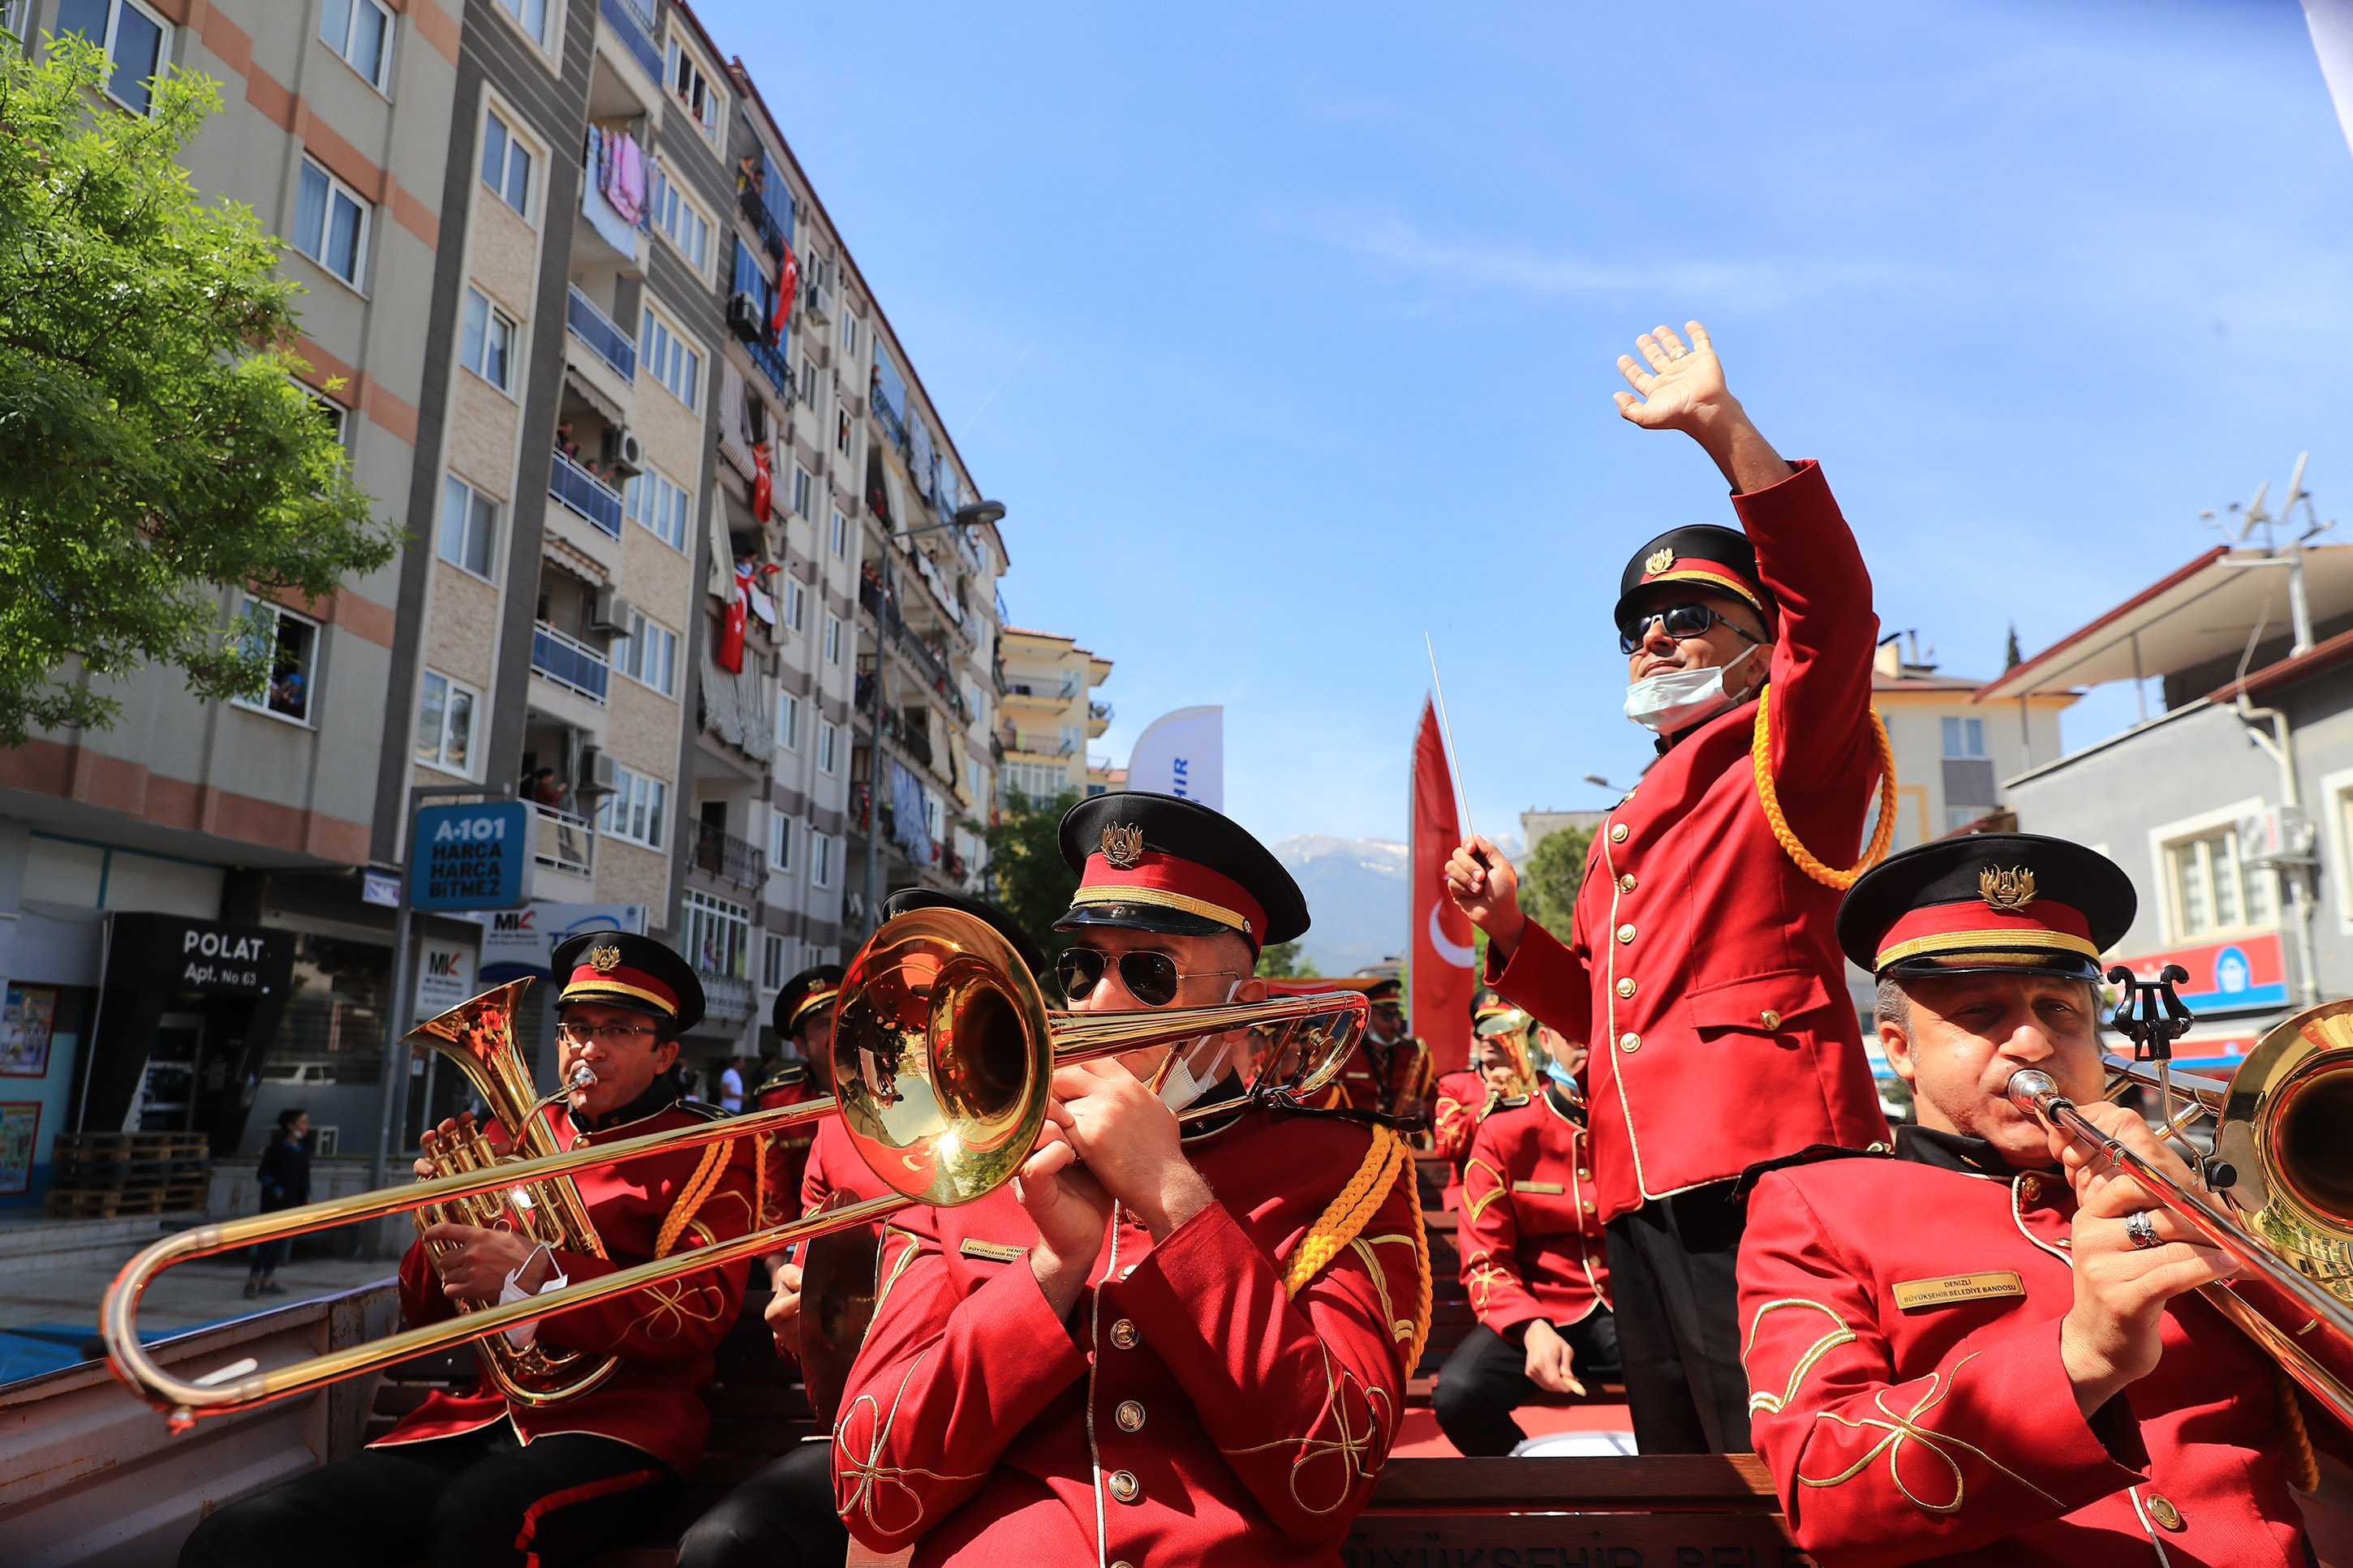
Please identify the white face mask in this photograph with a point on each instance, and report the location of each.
(1675, 699)
(1181, 1089)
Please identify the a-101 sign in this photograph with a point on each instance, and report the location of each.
(471, 857)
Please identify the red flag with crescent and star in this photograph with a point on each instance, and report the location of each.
(1442, 977)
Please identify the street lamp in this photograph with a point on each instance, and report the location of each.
(972, 514)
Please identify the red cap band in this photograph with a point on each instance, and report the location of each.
(1171, 883)
(1715, 575)
(588, 983)
(1972, 925)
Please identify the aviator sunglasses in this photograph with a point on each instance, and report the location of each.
(1150, 977)
(1682, 621)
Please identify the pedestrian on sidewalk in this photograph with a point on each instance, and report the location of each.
(285, 1178)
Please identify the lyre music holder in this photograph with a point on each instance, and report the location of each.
(2152, 1016)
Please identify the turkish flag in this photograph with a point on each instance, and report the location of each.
(788, 283)
(1443, 981)
(763, 483)
(729, 655)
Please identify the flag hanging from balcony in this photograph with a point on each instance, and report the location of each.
(729, 655)
(764, 484)
(1443, 952)
(789, 282)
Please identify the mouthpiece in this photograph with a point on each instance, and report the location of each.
(584, 1078)
(2034, 1092)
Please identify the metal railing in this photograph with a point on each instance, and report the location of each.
(1099, 710)
(634, 31)
(569, 662)
(727, 999)
(770, 358)
(596, 329)
(563, 841)
(584, 493)
(728, 857)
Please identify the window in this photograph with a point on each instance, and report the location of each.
(290, 644)
(659, 504)
(797, 605)
(358, 30)
(135, 39)
(1959, 817)
(780, 842)
(636, 809)
(804, 491)
(832, 638)
(680, 221)
(1070, 738)
(2212, 890)
(772, 961)
(531, 15)
(1965, 738)
(788, 722)
(648, 654)
(331, 223)
(718, 933)
(506, 162)
(444, 726)
(840, 536)
(840, 428)
(487, 346)
(692, 88)
(828, 746)
(821, 858)
(469, 526)
(808, 382)
(673, 365)
(846, 334)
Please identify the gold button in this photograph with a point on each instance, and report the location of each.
(2029, 1187)
(1124, 1487)
(1626, 934)
(1123, 1562)
(1626, 881)
(2066, 1245)
(1626, 989)
(1769, 1019)
(2162, 1508)
(1618, 833)
(1124, 1335)
(1583, 1174)
(1629, 1042)
(1588, 1206)
(1130, 1415)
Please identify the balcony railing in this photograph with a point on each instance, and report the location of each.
(563, 841)
(728, 857)
(569, 662)
(1099, 710)
(596, 329)
(755, 212)
(770, 358)
(634, 31)
(725, 998)
(584, 493)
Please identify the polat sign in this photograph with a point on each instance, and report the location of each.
(472, 857)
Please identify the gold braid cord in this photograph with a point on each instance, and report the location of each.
(1347, 1217)
(2302, 1467)
(1760, 752)
(690, 1200)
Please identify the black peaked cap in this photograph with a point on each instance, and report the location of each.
(908, 899)
(1683, 551)
(608, 967)
(1183, 830)
(818, 978)
(2010, 882)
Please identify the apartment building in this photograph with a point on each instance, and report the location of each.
(1050, 713)
(181, 895)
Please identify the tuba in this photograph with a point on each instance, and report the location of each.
(478, 1036)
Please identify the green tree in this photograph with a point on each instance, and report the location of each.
(1025, 859)
(154, 447)
(2009, 655)
(1549, 881)
(1283, 960)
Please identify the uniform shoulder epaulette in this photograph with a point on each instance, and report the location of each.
(1811, 1154)
(788, 1076)
(701, 1110)
(1514, 1103)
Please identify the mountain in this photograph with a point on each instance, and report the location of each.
(1356, 896)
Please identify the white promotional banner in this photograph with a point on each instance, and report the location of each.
(444, 977)
(2331, 21)
(1183, 753)
(516, 942)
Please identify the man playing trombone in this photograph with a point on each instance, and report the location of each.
(1988, 1347)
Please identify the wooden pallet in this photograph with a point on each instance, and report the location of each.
(125, 1175)
(104, 1146)
(115, 1203)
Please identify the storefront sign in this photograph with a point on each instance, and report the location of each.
(20, 1138)
(2246, 975)
(25, 1025)
(517, 943)
(471, 857)
(444, 977)
(381, 888)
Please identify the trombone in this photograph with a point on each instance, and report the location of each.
(943, 1055)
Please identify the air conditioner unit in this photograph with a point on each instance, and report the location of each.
(624, 453)
(609, 613)
(747, 320)
(2275, 836)
(597, 773)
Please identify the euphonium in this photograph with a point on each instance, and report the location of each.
(478, 1036)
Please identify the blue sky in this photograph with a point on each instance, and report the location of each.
(1286, 332)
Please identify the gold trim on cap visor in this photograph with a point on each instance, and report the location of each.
(582, 990)
(811, 1002)
(1714, 580)
(1191, 906)
(1993, 940)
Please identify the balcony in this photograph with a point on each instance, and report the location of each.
(562, 841)
(568, 662)
(770, 358)
(728, 857)
(1099, 712)
(596, 329)
(755, 207)
(726, 999)
(635, 31)
(586, 494)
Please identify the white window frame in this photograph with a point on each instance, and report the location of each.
(2337, 789)
(636, 812)
(780, 840)
(821, 866)
(804, 492)
(1963, 725)
(714, 109)
(664, 358)
(828, 746)
(308, 718)
(356, 283)
(113, 27)
(652, 635)
(733, 920)
(2166, 836)
(796, 605)
(389, 36)
(832, 638)
(494, 316)
(666, 200)
(840, 539)
(772, 961)
(788, 722)
(534, 162)
(439, 761)
(474, 498)
(550, 22)
(666, 492)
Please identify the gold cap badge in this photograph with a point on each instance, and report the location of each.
(2009, 891)
(1123, 846)
(605, 960)
(1659, 561)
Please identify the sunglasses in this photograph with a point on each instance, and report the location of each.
(1681, 620)
(1150, 977)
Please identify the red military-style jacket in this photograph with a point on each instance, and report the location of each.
(1701, 962)
(1460, 1098)
(664, 1333)
(1531, 1231)
(1189, 1407)
(1384, 1078)
(792, 1083)
(1900, 1323)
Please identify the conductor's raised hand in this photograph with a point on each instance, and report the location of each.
(1485, 886)
(1683, 388)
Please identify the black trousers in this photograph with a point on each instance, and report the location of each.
(1486, 1379)
(480, 1499)
(781, 1517)
(1670, 1279)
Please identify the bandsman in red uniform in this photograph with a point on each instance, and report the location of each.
(784, 1516)
(1988, 1347)
(1699, 962)
(471, 1477)
(1462, 1099)
(1184, 1350)
(1532, 1263)
(1390, 1069)
(803, 1016)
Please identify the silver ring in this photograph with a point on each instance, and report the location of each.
(2142, 1230)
